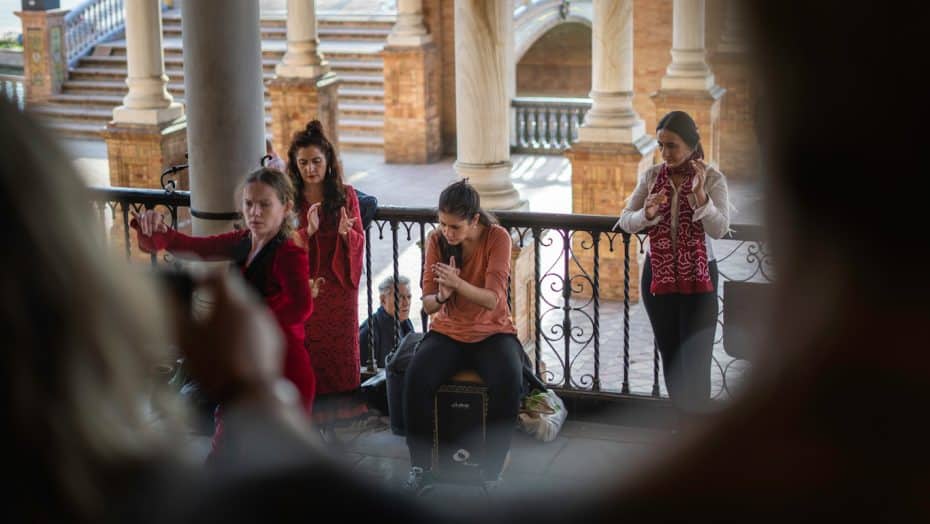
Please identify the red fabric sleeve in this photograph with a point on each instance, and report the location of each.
(291, 271)
(216, 247)
(347, 255)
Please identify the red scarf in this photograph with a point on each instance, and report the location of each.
(684, 271)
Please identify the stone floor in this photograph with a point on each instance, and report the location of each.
(584, 454)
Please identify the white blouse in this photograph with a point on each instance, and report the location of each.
(714, 214)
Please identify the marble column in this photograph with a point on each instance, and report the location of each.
(225, 106)
(412, 83)
(148, 132)
(304, 88)
(689, 84)
(483, 46)
(409, 30)
(612, 118)
(148, 101)
(612, 147)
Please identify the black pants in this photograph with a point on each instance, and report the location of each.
(684, 327)
(496, 359)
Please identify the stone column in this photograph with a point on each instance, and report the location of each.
(148, 132)
(225, 105)
(613, 147)
(739, 148)
(484, 45)
(688, 84)
(411, 90)
(303, 88)
(45, 56)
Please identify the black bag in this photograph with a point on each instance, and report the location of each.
(396, 366)
(374, 391)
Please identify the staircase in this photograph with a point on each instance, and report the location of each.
(351, 44)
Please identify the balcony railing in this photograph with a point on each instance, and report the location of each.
(581, 342)
(12, 88)
(91, 22)
(546, 125)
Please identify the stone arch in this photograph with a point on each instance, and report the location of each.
(535, 18)
(558, 64)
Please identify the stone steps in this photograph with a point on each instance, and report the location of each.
(375, 34)
(350, 44)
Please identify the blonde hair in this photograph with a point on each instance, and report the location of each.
(283, 188)
(83, 340)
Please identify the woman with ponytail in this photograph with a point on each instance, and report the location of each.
(683, 203)
(331, 229)
(465, 289)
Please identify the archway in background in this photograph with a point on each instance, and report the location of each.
(558, 64)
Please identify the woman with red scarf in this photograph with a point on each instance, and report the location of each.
(683, 203)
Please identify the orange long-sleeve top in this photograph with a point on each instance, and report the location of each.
(487, 267)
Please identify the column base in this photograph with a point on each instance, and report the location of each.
(138, 153)
(704, 108)
(603, 176)
(296, 101)
(493, 184)
(411, 104)
(152, 117)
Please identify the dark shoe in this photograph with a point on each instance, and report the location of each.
(418, 482)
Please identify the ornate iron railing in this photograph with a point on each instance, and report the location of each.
(12, 87)
(546, 125)
(581, 341)
(90, 23)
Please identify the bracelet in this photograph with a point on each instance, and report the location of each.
(442, 301)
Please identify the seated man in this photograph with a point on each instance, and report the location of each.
(383, 320)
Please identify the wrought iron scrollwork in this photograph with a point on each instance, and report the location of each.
(168, 182)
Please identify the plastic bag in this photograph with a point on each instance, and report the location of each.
(542, 415)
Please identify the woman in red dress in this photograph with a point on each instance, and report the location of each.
(331, 228)
(268, 258)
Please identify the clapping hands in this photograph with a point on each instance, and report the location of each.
(150, 221)
(447, 277)
(345, 223)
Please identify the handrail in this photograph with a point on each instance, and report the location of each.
(92, 22)
(546, 125)
(562, 288)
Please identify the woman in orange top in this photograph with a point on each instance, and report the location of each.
(465, 284)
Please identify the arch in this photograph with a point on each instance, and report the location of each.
(558, 64)
(534, 18)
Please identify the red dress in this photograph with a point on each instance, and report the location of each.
(332, 332)
(278, 272)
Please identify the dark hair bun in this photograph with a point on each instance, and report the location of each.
(315, 128)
